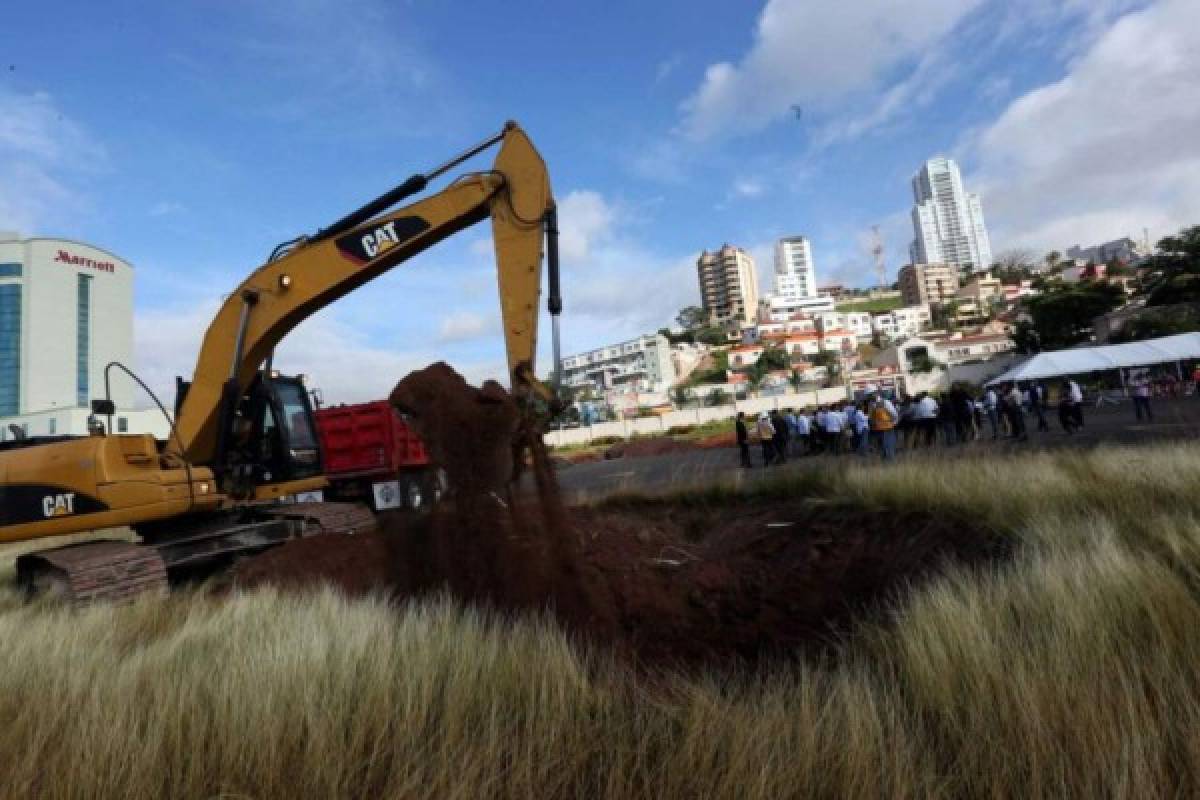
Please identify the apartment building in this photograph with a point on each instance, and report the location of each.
(928, 284)
(643, 364)
(900, 322)
(728, 286)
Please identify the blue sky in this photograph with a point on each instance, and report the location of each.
(190, 138)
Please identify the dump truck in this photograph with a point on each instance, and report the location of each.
(373, 455)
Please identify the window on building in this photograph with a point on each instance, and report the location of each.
(10, 270)
(122, 425)
(52, 426)
(83, 312)
(10, 349)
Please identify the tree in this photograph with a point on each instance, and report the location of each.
(945, 315)
(681, 395)
(692, 318)
(711, 336)
(1062, 316)
(1175, 271)
(716, 397)
(1160, 322)
(1016, 258)
(923, 363)
(1052, 259)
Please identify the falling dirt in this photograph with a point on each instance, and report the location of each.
(660, 582)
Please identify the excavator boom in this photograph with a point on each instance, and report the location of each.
(243, 435)
(317, 271)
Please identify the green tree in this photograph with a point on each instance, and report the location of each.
(1052, 259)
(923, 363)
(692, 318)
(717, 397)
(1158, 322)
(1175, 271)
(681, 395)
(1062, 316)
(711, 336)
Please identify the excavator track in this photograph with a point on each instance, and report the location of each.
(112, 571)
(349, 518)
(83, 574)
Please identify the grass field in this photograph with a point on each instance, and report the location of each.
(878, 305)
(1073, 671)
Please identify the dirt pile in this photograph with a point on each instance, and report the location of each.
(662, 582)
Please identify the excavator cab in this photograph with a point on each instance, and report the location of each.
(269, 436)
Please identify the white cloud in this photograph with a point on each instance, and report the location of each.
(1110, 148)
(165, 207)
(41, 149)
(747, 187)
(339, 358)
(810, 53)
(585, 220)
(463, 326)
(666, 67)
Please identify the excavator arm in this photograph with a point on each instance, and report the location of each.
(320, 269)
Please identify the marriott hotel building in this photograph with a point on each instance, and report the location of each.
(66, 311)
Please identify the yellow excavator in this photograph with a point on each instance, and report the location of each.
(242, 439)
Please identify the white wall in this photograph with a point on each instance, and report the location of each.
(696, 416)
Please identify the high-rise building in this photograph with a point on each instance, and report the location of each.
(948, 225)
(928, 284)
(795, 274)
(728, 286)
(66, 311)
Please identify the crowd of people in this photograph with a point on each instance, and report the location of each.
(883, 424)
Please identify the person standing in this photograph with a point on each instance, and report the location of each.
(1141, 397)
(818, 430)
(803, 431)
(862, 426)
(1076, 395)
(1016, 417)
(833, 430)
(991, 407)
(781, 436)
(766, 438)
(1066, 417)
(882, 421)
(743, 439)
(1034, 396)
(789, 416)
(945, 419)
(926, 415)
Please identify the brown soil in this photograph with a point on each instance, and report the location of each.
(668, 582)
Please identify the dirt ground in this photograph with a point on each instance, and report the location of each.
(663, 582)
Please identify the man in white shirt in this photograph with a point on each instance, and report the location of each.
(833, 430)
(1141, 395)
(926, 418)
(991, 404)
(1076, 395)
(803, 430)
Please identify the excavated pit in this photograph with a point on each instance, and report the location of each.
(661, 582)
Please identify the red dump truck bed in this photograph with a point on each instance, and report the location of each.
(367, 440)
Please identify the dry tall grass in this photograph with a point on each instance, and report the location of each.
(1072, 672)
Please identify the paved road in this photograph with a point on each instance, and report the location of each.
(1173, 420)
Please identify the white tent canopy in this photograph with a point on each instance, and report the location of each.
(1180, 347)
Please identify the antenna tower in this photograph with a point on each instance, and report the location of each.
(877, 252)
